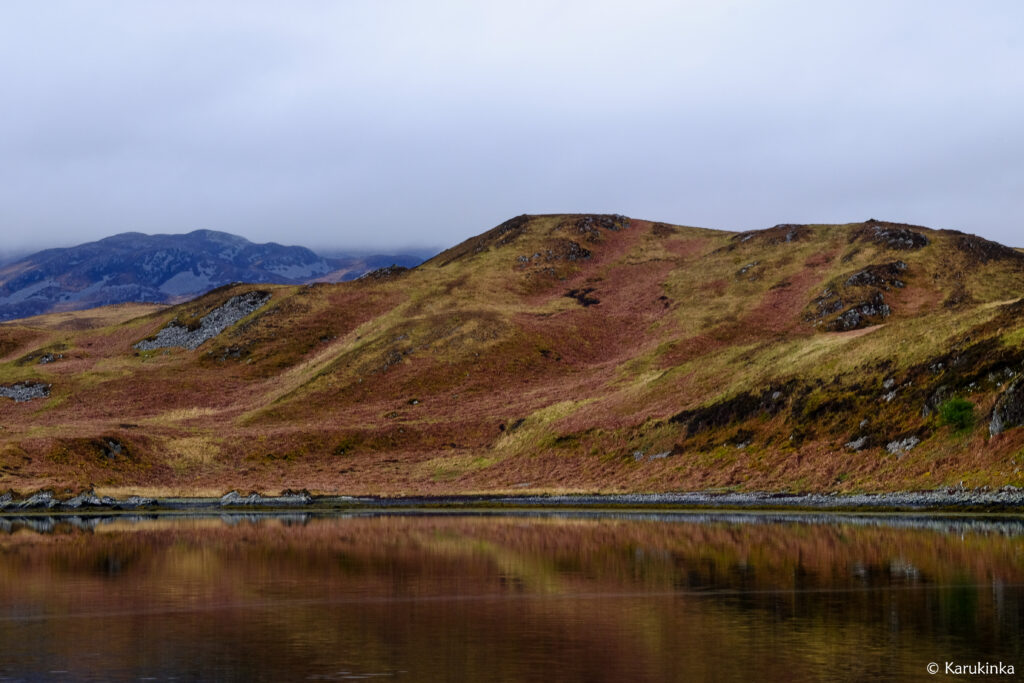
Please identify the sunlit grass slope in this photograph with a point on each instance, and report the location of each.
(562, 352)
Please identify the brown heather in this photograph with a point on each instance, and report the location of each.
(552, 353)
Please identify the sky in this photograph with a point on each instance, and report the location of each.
(390, 123)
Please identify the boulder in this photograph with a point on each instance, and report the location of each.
(289, 498)
(41, 499)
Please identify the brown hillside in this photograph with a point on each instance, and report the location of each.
(563, 352)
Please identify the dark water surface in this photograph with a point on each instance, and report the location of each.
(510, 597)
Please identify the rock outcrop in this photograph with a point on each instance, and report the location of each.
(25, 391)
(893, 235)
(1009, 409)
(210, 325)
(857, 300)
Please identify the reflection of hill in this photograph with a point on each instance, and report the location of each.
(502, 597)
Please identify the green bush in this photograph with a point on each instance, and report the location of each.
(958, 413)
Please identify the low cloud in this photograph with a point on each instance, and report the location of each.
(382, 123)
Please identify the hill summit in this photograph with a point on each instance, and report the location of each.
(551, 353)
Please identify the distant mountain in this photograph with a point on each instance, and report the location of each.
(162, 269)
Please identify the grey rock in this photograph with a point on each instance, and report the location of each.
(235, 498)
(384, 273)
(112, 448)
(935, 400)
(1009, 409)
(860, 315)
(288, 499)
(901, 446)
(25, 391)
(747, 268)
(210, 325)
(897, 236)
(41, 499)
(88, 499)
(884, 276)
(858, 444)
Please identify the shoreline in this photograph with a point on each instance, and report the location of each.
(1006, 500)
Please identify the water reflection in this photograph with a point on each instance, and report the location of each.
(573, 596)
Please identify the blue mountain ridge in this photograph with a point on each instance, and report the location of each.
(135, 267)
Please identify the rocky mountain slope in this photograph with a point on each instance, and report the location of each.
(563, 352)
(160, 269)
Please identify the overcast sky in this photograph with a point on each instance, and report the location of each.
(391, 123)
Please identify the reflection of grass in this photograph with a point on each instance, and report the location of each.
(538, 574)
(637, 599)
(960, 607)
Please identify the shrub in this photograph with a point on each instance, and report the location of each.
(958, 413)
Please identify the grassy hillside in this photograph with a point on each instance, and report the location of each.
(561, 352)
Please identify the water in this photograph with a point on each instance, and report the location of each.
(509, 597)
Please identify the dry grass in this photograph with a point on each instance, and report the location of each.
(191, 453)
(105, 316)
(477, 372)
(172, 491)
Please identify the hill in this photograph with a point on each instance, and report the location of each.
(133, 267)
(561, 352)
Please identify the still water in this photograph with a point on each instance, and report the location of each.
(509, 597)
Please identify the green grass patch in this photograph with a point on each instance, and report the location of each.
(958, 413)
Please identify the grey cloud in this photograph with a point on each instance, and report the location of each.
(377, 123)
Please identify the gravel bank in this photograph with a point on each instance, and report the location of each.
(1008, 499)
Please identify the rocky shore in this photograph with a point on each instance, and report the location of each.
(957, 499)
